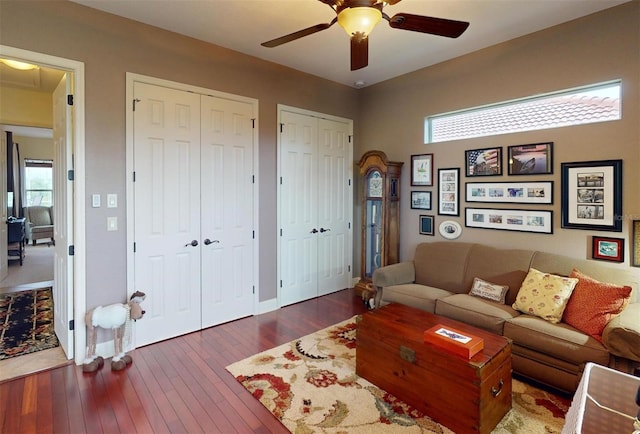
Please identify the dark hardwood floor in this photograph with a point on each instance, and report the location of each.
(178, 386)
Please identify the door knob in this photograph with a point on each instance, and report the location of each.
(192, 243)
(207, 241)
(314, 231)
(323, 230)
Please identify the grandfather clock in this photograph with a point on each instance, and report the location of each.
(380, 241)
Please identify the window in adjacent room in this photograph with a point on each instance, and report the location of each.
(595, 103)
(38, 181)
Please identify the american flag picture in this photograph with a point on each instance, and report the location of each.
(484, 162)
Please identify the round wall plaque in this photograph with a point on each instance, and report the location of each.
(450, 229)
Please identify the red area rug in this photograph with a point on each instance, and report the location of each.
(26, 322)
(311, 386)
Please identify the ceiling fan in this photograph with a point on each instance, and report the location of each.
(359, 17)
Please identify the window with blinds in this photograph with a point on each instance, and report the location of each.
(38, 182)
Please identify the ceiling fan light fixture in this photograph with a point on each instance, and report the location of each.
(360, 19)
(22, 66)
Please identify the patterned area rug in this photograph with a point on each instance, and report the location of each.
(311, 386)
(26, 322)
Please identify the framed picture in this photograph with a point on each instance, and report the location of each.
(450, 229)
(422, 170)
(510, 192)
(420, 200)
(483, 162)
(426, 225)
(520, 220)
(607, 249)
(592, 195)
(635, 254)
(448, 194)
(534, 159)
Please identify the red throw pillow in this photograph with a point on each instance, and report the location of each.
(593, 304)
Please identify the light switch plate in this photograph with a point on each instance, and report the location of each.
(95, 201)
(112, 223)
(112, 200)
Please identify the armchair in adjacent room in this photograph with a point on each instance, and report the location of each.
(39, 223)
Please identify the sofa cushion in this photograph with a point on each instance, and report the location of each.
(593, 304)
(442, 265)
(415, 295)
(556, 340)
(39, 215)
(490, 291)
(544, 295)
(562, 265)
(478, 312)
(622, 335)
(500, 266)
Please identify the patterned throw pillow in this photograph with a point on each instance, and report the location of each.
(593, 304)
(490, 291)
(544, 295)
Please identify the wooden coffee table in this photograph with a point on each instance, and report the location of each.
(465, 395)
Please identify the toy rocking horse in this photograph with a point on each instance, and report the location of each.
(118, 318)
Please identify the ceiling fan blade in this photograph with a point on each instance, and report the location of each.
(434, 26)
(299, 34)
(359, 52)
(393, 2)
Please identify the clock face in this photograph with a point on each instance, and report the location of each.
(375, 185)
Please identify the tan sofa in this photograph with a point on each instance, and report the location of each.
(440, 276)
(39, 223)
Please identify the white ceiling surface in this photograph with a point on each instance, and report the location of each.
(242, 25)
(22, 131)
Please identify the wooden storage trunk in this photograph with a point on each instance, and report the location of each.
(465, 395)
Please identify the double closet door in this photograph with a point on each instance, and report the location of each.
(315, 205)
(194, 216)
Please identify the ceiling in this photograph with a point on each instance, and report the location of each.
(242, 25)
(40, 79)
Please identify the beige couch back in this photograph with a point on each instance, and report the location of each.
(599, 270)
(442, 265)
(453, 266)
(502, 266)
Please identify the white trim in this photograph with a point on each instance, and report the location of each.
(77, 237)
(267, 306)
(349, 210)
(131, 78)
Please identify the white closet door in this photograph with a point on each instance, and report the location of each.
(227, 210)
(167, 211)
(298, 208)
(314, 206)
(334, 244)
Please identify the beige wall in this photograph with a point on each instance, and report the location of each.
(598, 48)
(601, 47)
(34, 148)
(25, 107)
(110, 46)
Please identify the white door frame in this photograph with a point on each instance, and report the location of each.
(349, 211)
(4, 229)
(131, 78)
(77, 238)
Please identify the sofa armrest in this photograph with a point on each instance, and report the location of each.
(622, 335)
(394, 274)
